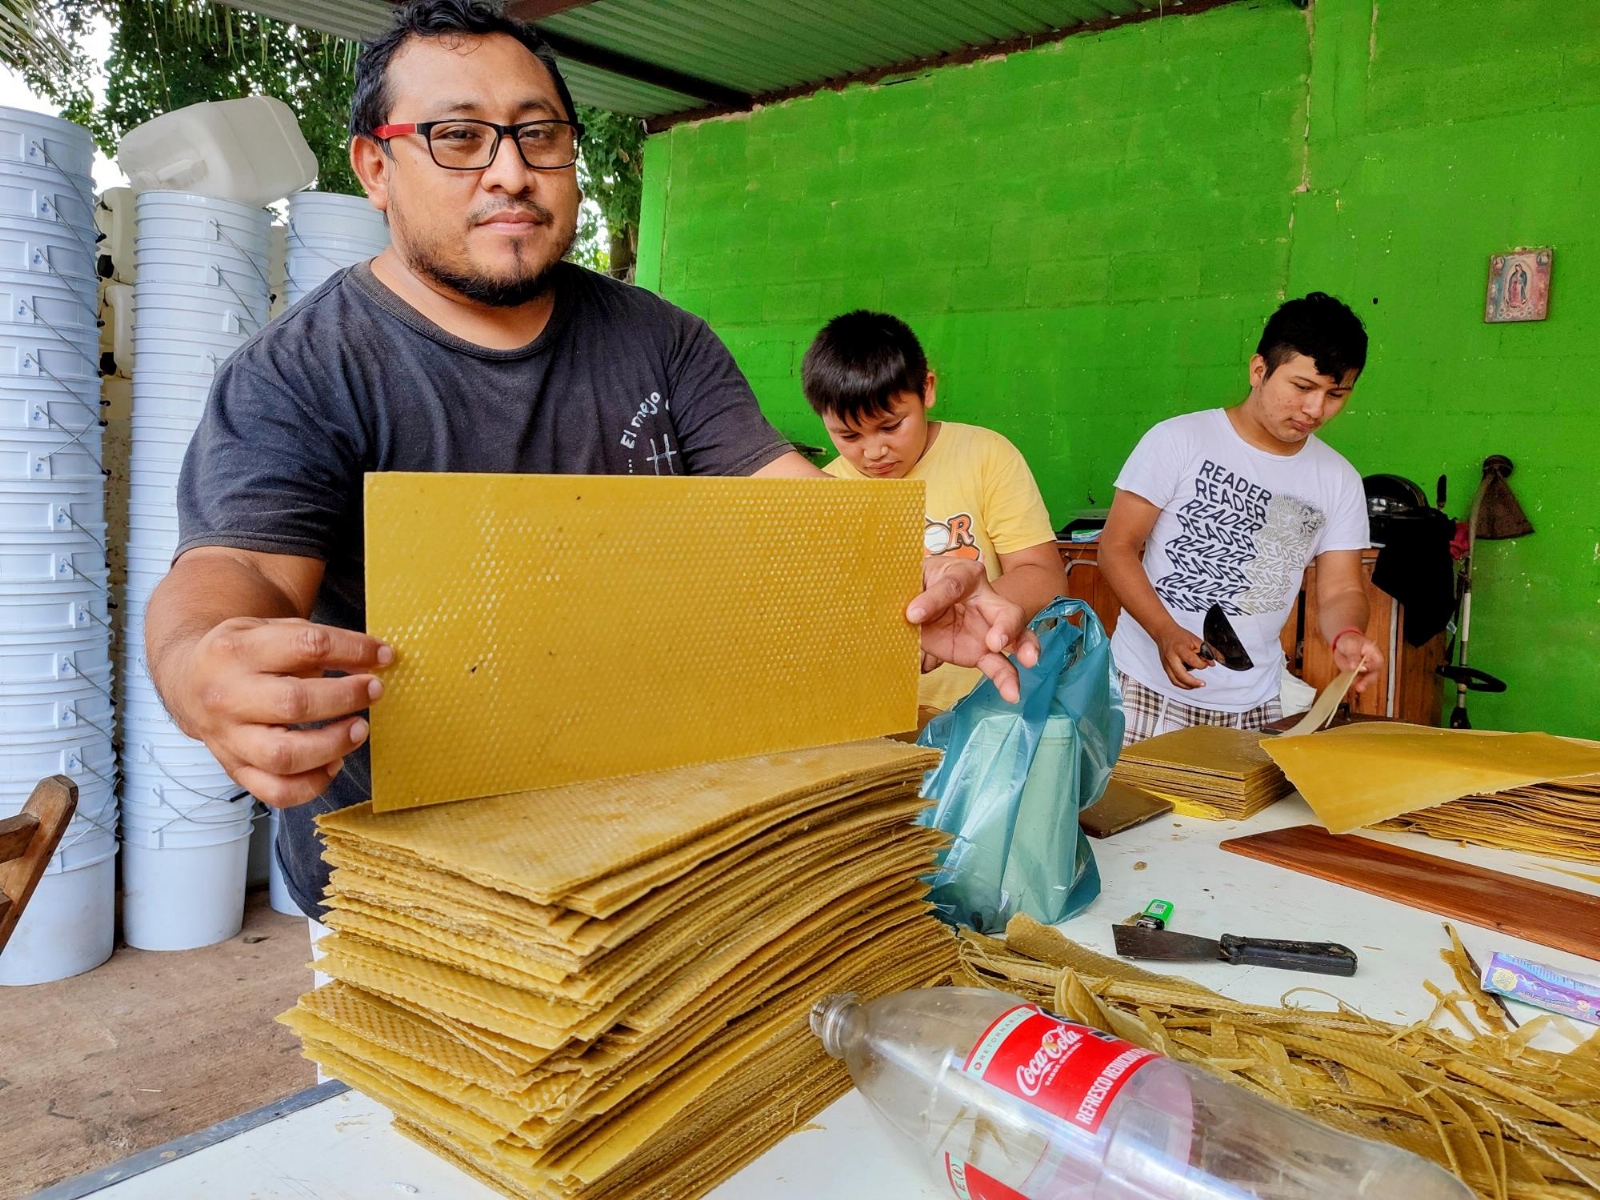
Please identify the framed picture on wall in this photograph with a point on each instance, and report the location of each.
(1519, 285)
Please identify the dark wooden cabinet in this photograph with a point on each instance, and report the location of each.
(1408, 690)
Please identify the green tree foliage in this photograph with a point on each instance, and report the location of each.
(28, 41)
(611, 170)
(166, 54)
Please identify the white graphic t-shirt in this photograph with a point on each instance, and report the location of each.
(1238, 527)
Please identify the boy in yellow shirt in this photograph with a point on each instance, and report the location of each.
(868, 379)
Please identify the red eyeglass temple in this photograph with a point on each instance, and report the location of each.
(389, 131)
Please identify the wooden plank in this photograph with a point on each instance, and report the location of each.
(15, 834)
(1539, 912)
(52, 804)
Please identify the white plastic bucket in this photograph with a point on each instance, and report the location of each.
(40, 658)
(181, 898)
(159, 318)
(27, 352)
(34, 139)
(28, 507)
(157, 388)
(49, 455)
(68, 928)
(278, 887)
(65, 302)
(31, 757)
(165, 831)
(42, 403)
(80, 702)
(52, 253)
(152, 298)
(199, 362)
(203, 221)
(160, 338)
(328, 212)
(173, 268)
(234, 260)
(47, 202)
(53, 608)
(47, 557)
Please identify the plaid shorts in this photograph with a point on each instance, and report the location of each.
(1148, 713)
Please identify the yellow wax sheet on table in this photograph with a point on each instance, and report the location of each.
(556, 628)
(1361, 774)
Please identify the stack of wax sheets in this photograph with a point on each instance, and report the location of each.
(1206, 771)
(1560, 818)
(601, 990)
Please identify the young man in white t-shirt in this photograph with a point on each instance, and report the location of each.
(1228, 507)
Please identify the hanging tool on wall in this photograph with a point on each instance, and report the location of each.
(1495, 516)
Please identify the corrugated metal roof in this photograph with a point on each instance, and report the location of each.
(645, 56)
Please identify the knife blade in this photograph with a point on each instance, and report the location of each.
(1222, 643)
(1163, 945)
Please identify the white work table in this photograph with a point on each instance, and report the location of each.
(343, 1149)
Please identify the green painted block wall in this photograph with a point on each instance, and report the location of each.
(1089, 235)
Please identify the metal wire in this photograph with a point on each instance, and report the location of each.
(63, 338)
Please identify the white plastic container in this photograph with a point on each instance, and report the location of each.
(32, 139)
(52, 306)
(53, 608)
(76, 753)
(33, 508)
(47, 658)
(47, 557)
(42, 404)
(249, 150)
(181, 898)
(118, 317)
(47, 456)
(61, 253)
(114, 216)
(50, 708)
(48, 199)
(278, 267)
(208, 225)
(277, 887)
(28, 352)
(68, 928)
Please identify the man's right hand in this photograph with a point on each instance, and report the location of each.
(1180, 653)
(244, 685)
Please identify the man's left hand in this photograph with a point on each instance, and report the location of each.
(966, 622)
(1353, 651)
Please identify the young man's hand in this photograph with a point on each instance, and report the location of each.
(1180, 653)
(1356, 652)
(966, 622)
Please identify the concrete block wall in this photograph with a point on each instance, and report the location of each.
(1088, 236)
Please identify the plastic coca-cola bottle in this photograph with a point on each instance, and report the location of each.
(1008, 1102)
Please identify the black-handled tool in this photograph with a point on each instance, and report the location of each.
(1222, 643)
(1163, 945)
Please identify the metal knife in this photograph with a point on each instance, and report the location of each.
(1322, 958)
(1222, 644)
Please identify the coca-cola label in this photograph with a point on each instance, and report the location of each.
(1068, 1070)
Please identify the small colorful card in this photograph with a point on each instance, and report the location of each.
(1519, 285)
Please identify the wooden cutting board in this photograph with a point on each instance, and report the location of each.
(1539, 912)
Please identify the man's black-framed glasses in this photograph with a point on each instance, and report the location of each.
(467, 145)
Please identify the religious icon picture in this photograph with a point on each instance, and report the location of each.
(1519, 285)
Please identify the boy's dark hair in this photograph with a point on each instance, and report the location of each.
(859, 363)
(1320, 327)
(369, 102)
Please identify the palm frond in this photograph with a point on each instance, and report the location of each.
(28, 42)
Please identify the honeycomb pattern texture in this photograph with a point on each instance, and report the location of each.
(550, 629)
(599, 990)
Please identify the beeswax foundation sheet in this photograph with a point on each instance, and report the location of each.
(1361, 774)
(556, 628)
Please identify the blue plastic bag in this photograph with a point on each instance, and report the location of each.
(1015, 776)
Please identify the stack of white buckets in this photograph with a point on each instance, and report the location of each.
(200, 291)
(326, 233)
(55, 661)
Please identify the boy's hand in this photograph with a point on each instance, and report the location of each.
(1180, 650)
(966, 622)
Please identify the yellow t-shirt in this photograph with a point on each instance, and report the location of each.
(982, 502)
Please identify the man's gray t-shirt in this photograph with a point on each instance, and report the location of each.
(352, 380)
